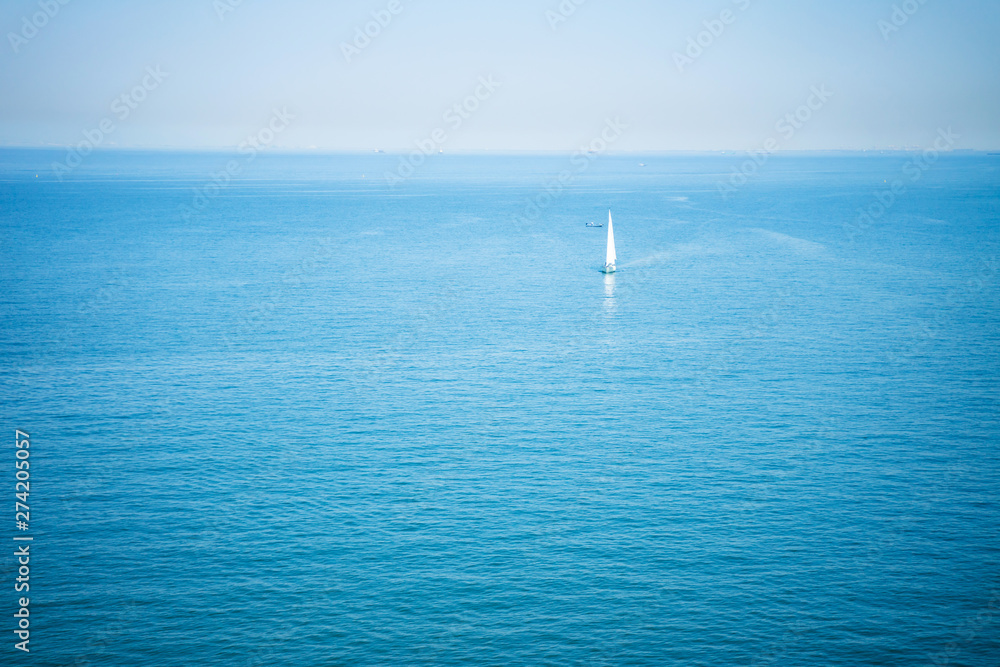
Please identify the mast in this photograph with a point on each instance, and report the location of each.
(610, 258)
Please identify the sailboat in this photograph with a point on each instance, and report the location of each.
(609, 257)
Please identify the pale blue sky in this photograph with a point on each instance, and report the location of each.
(558, 87)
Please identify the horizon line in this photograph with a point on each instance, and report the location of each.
(481, 151)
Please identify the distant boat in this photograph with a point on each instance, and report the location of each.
(595, 224)
(609, 257)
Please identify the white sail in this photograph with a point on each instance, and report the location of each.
(610, 258)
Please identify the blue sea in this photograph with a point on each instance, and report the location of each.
(303, 415)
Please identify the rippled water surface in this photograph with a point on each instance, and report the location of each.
(305, 418)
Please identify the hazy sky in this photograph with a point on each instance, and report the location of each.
(227, 71)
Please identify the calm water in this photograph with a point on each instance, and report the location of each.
(306, 419)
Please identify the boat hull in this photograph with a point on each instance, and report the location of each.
(608, 268)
